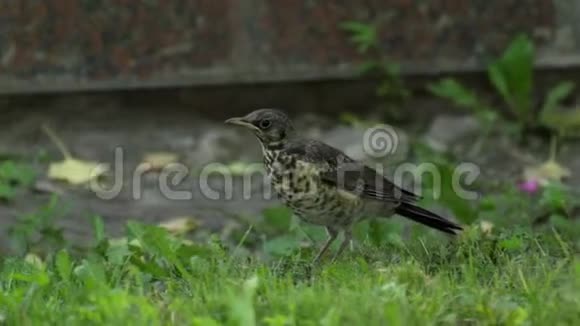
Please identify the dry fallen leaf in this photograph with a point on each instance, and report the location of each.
(486, 227)
(35, 260)
(71, 170)
(76, 172)
(549, 171)
(159, 160)
(236, 168)
(180, 225)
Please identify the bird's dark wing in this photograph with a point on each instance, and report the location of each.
(341, 171)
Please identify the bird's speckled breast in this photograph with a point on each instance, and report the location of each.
(299, 186)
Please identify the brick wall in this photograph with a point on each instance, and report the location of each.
(106, 44)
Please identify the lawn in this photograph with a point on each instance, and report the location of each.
(516, 263)
(512, 276)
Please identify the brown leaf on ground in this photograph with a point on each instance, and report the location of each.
(180, 225)
(546, 172)
(158, 160)
(76, 172)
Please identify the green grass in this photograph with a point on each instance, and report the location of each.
(152, 278)
(512, 274)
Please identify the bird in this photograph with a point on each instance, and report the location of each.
(324, 186)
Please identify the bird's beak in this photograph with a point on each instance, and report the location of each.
(240, 122)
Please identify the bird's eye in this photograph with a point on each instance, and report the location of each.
(265, 124)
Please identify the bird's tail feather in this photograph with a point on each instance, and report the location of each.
(427, 218)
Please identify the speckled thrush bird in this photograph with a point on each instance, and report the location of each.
(324, 186)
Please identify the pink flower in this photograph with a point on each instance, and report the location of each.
(529, 186)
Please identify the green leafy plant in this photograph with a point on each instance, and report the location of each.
(558, 197)
(156, 252)
(37, 232)
(364, 36)
(559, 205)
(465, 98)
(512, 77)
(391, 86)
(13, 176)
(566, 123)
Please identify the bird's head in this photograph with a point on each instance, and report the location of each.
(270, 126)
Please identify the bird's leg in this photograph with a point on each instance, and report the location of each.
(332, 233)
(345, 242)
